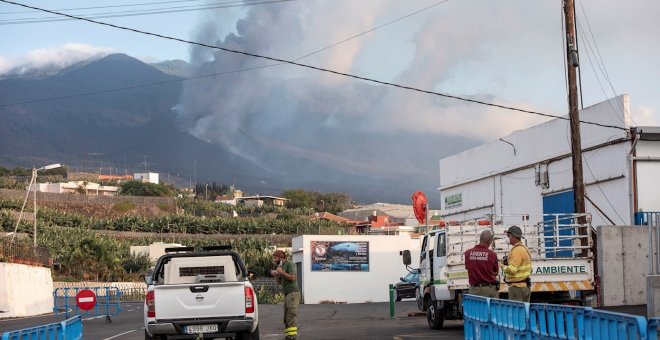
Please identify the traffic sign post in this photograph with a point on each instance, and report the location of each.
(86, 299)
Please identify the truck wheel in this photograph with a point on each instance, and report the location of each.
(420, 299)
(434, 315)
(249, 336)
(149, 337)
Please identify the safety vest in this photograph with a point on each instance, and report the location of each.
(519, 267)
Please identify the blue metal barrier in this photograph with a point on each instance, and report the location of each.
(476, 313)
(611, 325)
(70, 329)
(509, 319)
(108, 302)
(548, 321)
(652, 328)
(646, 217)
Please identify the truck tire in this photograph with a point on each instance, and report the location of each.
(155, 337)
(249, 336)
(434, 314)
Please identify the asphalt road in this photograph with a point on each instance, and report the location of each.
(324, 322)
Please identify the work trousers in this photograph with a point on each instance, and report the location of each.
(485, 291)
(291, 302)
(519, 293)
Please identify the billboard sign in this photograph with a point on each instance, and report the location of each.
(340, 256)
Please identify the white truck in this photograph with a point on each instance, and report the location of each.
(200, 294)
(560, 247)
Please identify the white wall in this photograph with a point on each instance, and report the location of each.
(648, 185)
(151, 177)
(25, 290)
(385, 267)
(492, 179)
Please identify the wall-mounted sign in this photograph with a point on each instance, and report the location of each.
(340, 256)
(453, 201)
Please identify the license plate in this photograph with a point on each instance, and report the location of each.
(210, 328)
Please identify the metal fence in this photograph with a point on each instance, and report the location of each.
(70, 329)
(487, 318)
(24, 253)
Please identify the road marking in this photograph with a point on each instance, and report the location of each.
(120, 334)
(94, 317)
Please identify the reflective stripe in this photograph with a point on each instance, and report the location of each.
(291, 331)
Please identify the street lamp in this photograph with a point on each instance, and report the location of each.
(33, 180)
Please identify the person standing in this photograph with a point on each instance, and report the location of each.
(517, 267)
(286, 275)
(481, 264)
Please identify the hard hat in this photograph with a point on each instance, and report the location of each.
(515, 231)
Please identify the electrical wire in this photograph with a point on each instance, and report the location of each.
(112, 6)
(221, 73)
(122, 14)
(604, 69)
(310, 66)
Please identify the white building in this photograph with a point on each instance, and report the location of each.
(361, 280)
(154, 250)
(79, 187)
(530, 171)
(149, 177)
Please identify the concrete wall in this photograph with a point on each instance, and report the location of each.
(385, 267)
(25, 290)
(623, 264)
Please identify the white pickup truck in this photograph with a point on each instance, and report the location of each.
(200, 294)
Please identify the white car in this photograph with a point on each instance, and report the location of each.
(208, 292)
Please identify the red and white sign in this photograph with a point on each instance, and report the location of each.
(86, 299)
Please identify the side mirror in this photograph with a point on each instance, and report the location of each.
(401, 278)
(406, 257)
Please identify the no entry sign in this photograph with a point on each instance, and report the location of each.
(86, 299)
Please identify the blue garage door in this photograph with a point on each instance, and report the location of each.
(562, 203)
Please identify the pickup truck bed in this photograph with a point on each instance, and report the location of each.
(195, 293)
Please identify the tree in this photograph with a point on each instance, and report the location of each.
(137, 188)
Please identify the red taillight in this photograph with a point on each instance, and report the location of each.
(151, 305)
(249, 300)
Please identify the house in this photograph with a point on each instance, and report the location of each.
(229, 199)
(396, 213)
(258, 201)
(529, 172)
(79, 187)
(148, 177)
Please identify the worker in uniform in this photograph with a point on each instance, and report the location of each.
(517, 267)
(481, 264)
(286, 275)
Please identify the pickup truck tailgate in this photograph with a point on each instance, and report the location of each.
(206, 300)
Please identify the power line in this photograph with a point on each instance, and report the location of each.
(112, 6)
(122, 14)
(310, 66)
(221, 73)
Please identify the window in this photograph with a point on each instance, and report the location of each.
(442, 245)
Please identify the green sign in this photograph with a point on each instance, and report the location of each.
(561, 270)
(452, 201)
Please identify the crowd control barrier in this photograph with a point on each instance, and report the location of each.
(548, 321)
(652, 328)
(487, 318)
(70, 329)
(108, 302)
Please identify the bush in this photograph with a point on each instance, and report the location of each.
(123, 206)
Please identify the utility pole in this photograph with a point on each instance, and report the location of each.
(572, 63)
(145, 162)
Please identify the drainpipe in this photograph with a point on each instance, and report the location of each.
(632, 187)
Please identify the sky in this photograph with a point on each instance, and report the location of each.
(507, 52)
(503, 52)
